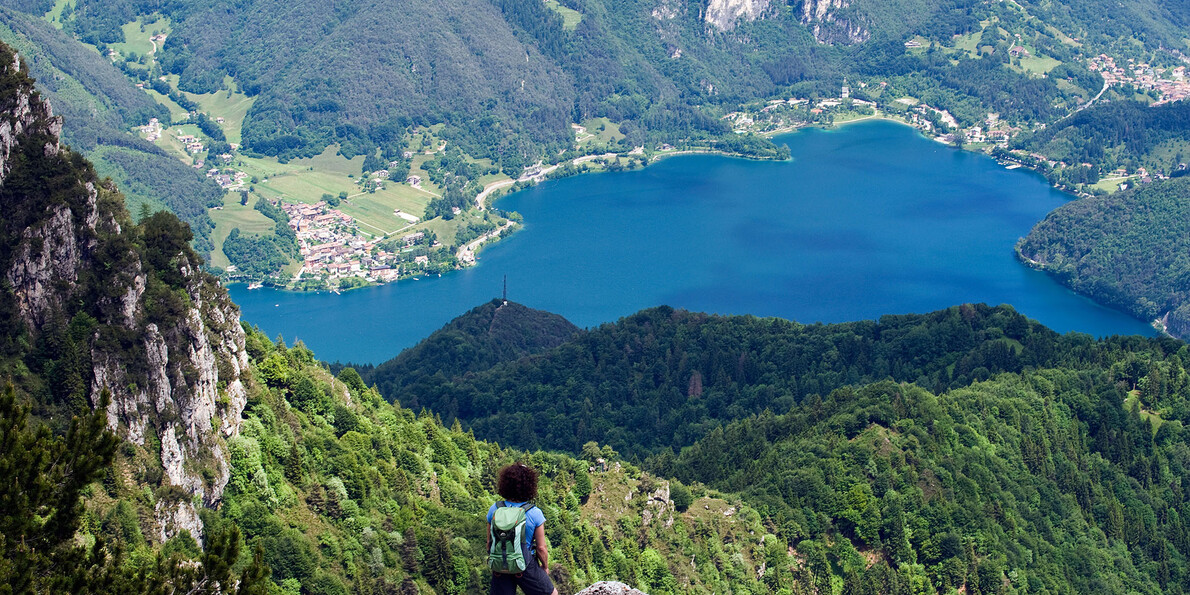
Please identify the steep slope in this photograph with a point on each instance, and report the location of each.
(93, 304)
(100, 106)
(1127, 250)
(486, 335)
(507, 78)
(1040, 482)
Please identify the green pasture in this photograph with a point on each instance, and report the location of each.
(230, 106)
(233, 215)
(54, 16)
(570, 17)
(1038, 64)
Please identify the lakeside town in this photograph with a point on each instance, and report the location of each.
(991, 136)
(332, 248)
(1170, 83)
(334, 252)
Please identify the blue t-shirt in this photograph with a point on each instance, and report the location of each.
(533, 519)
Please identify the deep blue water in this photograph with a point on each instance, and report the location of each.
(866, 220)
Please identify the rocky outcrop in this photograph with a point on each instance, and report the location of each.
(20, 112)
(610, 588)
(831, 23)
(724, 14)
(167, 343)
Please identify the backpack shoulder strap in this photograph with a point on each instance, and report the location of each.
(502, 504)
(528, 506)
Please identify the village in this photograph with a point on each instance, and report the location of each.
(332, 248)
(992, 135)
(1170, 83)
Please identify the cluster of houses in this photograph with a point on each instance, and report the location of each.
(228, 179)
(152, 130)
(192, 143)
(772, 115)
(1171, 83)
(332, 248)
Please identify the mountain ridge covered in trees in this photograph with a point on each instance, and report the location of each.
(1012, 460)
(507, 78)
(1127, 250)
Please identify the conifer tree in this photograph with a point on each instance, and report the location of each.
(40, 496)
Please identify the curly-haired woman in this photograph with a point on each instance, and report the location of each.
(517, 483)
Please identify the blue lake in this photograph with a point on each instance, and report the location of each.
(867, 220)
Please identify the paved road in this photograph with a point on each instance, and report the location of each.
(466, 254)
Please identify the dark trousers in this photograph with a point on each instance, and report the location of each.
(533, 581)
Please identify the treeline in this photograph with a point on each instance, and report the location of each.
(1127, 250)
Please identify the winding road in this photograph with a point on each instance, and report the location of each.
(481, 198)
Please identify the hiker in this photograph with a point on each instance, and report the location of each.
(517, 549)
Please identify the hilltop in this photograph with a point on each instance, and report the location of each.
(495, 332)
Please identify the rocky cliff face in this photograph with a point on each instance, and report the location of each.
(831, 23)
(164, 339)
(724, 14)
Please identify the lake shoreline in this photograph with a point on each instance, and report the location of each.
(488, 198)
(739, 237)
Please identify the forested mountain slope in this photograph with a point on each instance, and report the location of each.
(495, 332)
(100, 106)
(509, 77)
(1035, 462)
(1127, 134)
(1047, 481)
(663, 378)
(1127, 250)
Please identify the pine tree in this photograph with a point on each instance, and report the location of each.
(409, 551)
(293, 465)
(40, 496)
(439, 563)
(255, 578)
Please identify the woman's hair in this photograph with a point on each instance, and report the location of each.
(517, 483)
